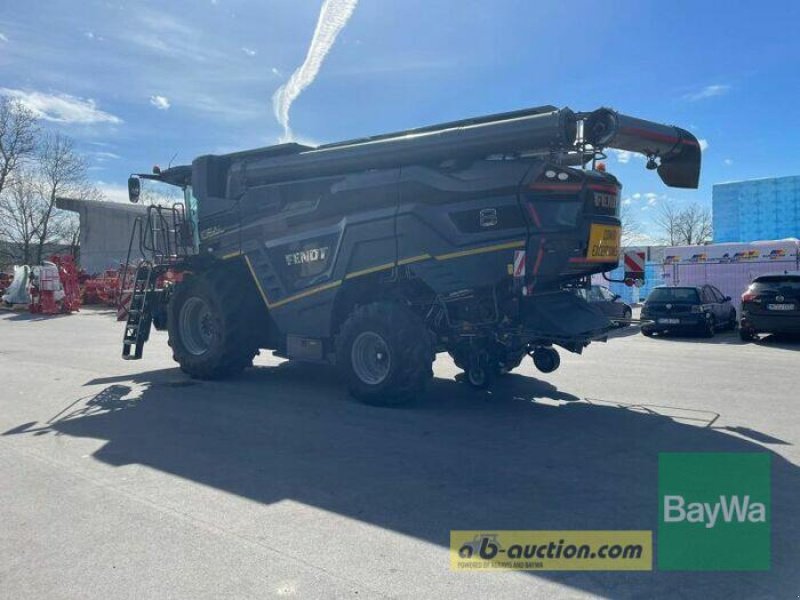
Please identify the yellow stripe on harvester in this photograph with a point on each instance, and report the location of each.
(370, 270)
(375, 269)
(480, 250)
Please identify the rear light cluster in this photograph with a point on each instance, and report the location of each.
(750, 296)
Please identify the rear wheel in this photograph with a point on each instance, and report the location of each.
(709, 328)
(732, 321)
(647, 333)
(208, 326)
(546, 359)
(386, 353)
(627, 315)
(747, 335)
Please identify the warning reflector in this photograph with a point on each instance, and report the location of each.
(634, 265)
(519, 263)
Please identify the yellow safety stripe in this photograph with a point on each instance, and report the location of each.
(413, 259)
(232, 255)
(480, 250)
(375, 269)
(370, 270)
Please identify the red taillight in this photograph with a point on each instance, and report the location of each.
(748, 297)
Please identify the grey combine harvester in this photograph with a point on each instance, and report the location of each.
(377, 253)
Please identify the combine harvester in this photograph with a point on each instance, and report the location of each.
(375, 254)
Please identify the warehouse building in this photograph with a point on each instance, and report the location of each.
(759, 209)
(105, 231)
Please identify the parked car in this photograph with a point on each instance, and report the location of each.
(771, 305)
(608, 302)
(696, 309)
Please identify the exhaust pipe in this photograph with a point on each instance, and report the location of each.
(672, 151)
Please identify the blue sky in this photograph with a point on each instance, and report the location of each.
(138, 82)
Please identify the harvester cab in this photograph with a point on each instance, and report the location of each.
(377, 253)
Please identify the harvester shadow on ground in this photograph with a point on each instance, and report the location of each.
(457, 460)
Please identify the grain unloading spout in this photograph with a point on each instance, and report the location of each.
(673, 151)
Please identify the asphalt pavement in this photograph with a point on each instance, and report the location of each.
(126, 479)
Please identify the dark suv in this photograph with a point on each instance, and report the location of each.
(700, 309)
(771, 305)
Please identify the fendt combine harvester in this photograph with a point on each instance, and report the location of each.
(375, 254)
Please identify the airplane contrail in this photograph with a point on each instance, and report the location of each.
(333, 16)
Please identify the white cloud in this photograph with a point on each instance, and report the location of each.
(708, 92)
(626, 201)
(3, 38)
(623, 156)
(249, 51)
(728, 162)
(103, 156)
(113, 192)
(703, 144)
(160, 102)
(275, 71)
(61, 108)
(636, 196)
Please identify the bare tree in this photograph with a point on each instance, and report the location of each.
(694, 225)
(61, 172)
(18, 134)
(20, 212)
(632, 229)
(686, 226)
(666, 222)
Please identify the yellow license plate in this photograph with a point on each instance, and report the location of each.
(604, 242)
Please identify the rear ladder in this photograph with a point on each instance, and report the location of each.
(140, 315)
(165, 238)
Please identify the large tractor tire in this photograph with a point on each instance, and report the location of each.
(209, 326)
(386, 354)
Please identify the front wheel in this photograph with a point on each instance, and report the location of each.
(385, 352)
(208, 327)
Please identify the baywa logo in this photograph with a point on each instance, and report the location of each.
(714, 511)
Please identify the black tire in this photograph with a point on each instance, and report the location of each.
(546, 360)
(231, 343)
(402, 366)
(746, 334)
(647, 332)
(627, 315)
(481, 374)
(732, 321)
(709, 328)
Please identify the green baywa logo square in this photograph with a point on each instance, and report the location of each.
(714, 511)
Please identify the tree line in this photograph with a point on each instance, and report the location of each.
(37, 167)
(671, 226)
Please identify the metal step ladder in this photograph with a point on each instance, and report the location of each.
(140, 317)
